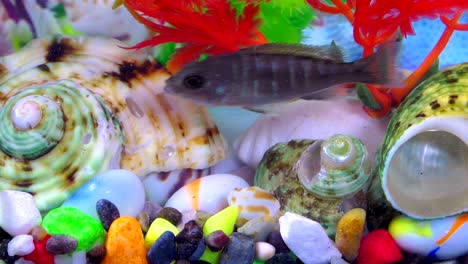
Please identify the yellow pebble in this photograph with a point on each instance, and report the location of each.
(223, 220)
(349, 233)
(125, 243)
(159, 226)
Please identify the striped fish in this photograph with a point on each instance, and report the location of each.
(276, 72)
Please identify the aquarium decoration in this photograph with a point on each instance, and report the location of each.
(100, 163)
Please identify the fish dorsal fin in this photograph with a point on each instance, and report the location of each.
(326, 52)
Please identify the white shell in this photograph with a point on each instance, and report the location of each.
(207, 194)
(310, 119)
(162, 132)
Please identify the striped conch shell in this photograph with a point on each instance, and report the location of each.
(74, 106)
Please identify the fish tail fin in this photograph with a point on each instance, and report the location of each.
(381, 67)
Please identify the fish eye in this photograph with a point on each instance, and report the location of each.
(194, 82)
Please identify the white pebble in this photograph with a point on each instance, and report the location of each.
(307, 239)
(19, 213)
(20, 245)
(264, 251)
(23, 261)
(77, 258)
(207, 194)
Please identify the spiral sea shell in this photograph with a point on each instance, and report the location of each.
(422, 167)
(74, 106)
(316, 178)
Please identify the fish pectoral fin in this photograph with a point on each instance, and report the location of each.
(341, 91)
(326, 52)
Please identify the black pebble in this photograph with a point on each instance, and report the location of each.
(107, 212)
(96, 254)
(275, 239)
(281, 258)
(188, 239)
(171, 215)
(163, 251)
(239, 250)
(61, 244)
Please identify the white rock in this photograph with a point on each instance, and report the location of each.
(23, 261)
(20, 245)
(77, 258)
(307, 239)
(264, 251)
(337, 260)
(310, 120)
(18, 212)
(207, 194)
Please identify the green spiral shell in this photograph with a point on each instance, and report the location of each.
(431, 116)
(75, 138)
(314, 177)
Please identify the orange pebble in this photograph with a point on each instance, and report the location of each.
(125, 242)
(349, 232)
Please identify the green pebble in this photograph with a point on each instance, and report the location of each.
(224, 220)
(256, 261)
(74, 222)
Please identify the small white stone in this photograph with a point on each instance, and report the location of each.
(23, 261)
(77, 258)
(18, 212)
(264, 251)
(337, 260)
(307, 239)
(20, 245)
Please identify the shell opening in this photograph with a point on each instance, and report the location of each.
(428, 175)
(335, 168)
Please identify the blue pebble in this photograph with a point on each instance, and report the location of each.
(163, 251)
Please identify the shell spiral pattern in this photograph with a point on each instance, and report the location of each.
(54, 137)
(74, 106)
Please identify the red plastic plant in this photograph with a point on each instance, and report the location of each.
(378, 21)
(202, 26)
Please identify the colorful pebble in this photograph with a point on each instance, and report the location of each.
(223, 220)
(253, 202)
(38, 233)
(123, 188)
(20, 245)
(188, 239)
(125, 242)
(144, 220)
(19, 213)
(157, 228)
(61, 244)
(216, 240)
(75, 223)
(207, 194)
(240, 249)
(40, 254)
(107, 212)
(307, 239)
(349, 232)
(264, 251)
(75, 258)
(163, 251)
(378, 247)
(435, 239)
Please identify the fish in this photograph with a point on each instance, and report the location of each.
(278, 72)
